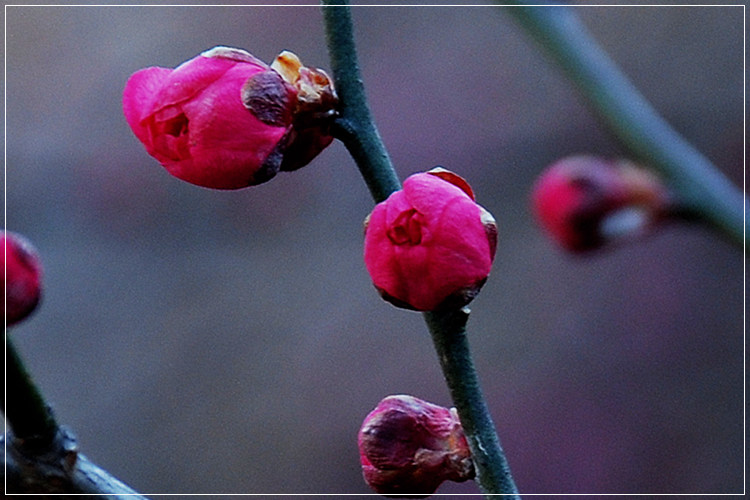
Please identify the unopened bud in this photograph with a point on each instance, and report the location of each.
(408, 447)
(22, 278)
(227, 120)
(585, 202)
(430, 245)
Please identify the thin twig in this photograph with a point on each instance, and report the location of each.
(355, 128)
(448, 330)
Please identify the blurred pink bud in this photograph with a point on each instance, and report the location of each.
(586, 201)
(22, 278)
(225, 119)
(408, 447)
(430, 245)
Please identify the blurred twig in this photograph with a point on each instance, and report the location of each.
(41, 456)
(702, 191)
(28, 415)
(356, 129)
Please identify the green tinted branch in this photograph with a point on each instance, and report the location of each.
(27, 413)
(41, 456)
(356, 129)
(702, 191)
(355, 126)
(448, 330)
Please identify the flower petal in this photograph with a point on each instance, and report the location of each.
(138, 99)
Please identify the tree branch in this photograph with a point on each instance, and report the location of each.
(41, 456)
(355, 126)
(448, 330)
(356, 129)
(701, 189)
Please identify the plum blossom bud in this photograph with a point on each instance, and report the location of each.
(22, 278)
(408, 447)
(430, 245)
(227, 120)
(586, 201)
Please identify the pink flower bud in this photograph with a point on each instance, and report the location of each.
(22, 279)
(430, 245)
(226, 120)
(409, 447)
(585, 201)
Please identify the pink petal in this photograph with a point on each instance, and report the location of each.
(429, 193)
(462, 253)
(227, 141)
(138, 98)
(193, 76)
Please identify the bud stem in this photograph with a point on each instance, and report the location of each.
(355, 126)
(448, 330)
(356, 129)
(699, 186)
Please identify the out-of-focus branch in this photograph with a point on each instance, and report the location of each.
(41, 456)
(60, 469)
(702, 191)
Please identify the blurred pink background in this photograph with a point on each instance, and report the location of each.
(200, 341)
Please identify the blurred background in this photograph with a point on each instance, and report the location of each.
(201, 341)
